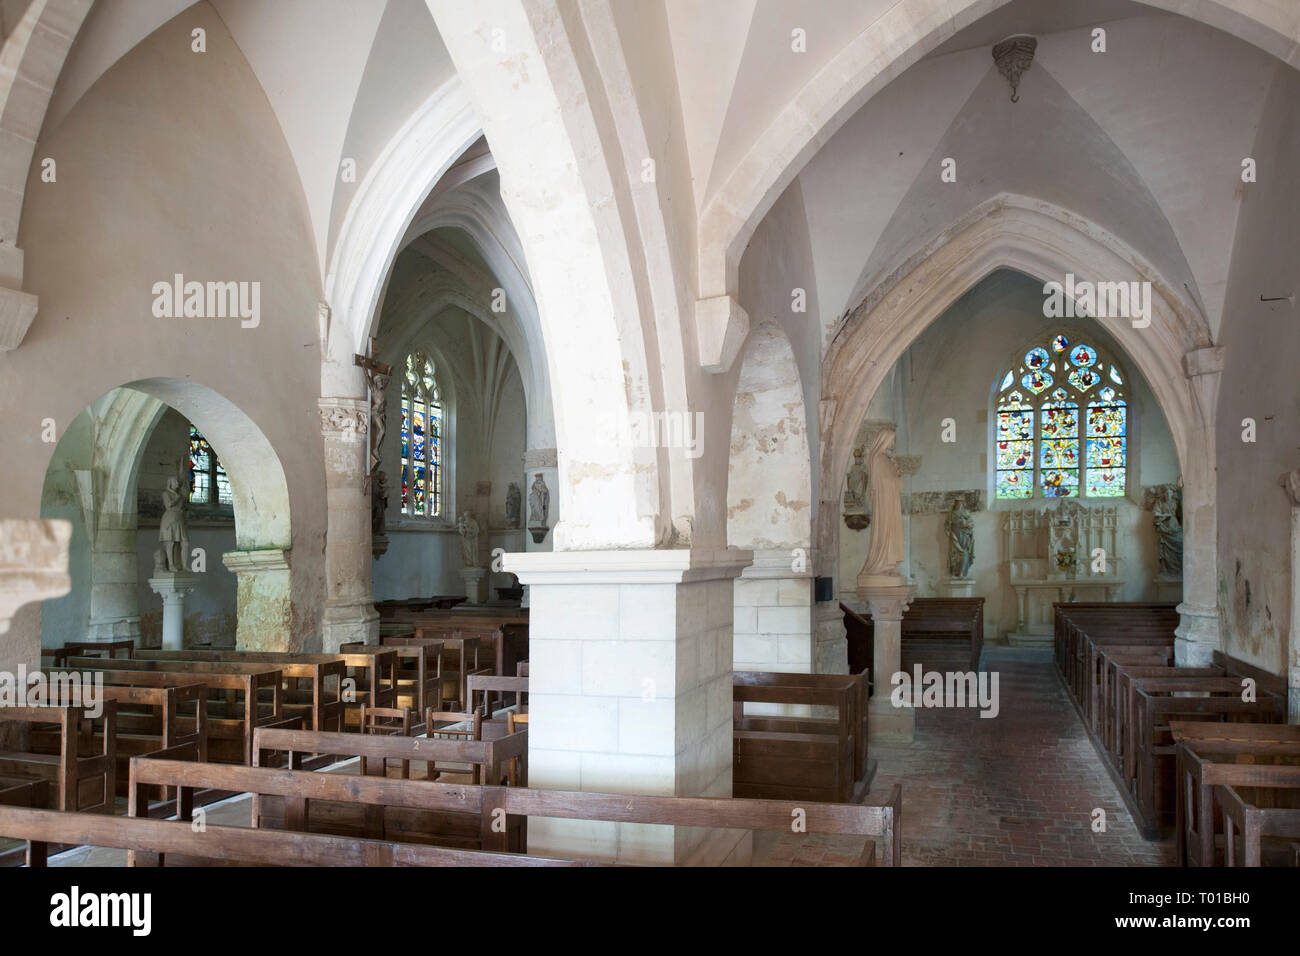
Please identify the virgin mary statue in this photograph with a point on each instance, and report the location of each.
(885, 550)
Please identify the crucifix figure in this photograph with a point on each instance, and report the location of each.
(377, 375)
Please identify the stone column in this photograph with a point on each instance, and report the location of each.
(115, 579)
(172, 586)
(885, 722)
(264, 608)
(831, 642)
(1291, 482)
(630, 692)
(1199, 632)
(350, 613)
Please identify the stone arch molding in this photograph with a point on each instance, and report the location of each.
(125, 420)
(1174, 353)
(905, 33)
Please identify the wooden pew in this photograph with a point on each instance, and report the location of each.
(1211, 755)
(297, 790)
(925, 619)
(504, 629)
(463, 649)
(1256, 824)
(811, 758)
(154, 711)
(241, 698)
(312, 683)
(486, 684)
(150, 842)
(82, 777)
(57, 657)
(1157, 700)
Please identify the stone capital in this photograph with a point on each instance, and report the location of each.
(540, 458)
(253, 562)
(887, 602)
(344, 419)
(770, 563)
(17, 311)
(173, 585)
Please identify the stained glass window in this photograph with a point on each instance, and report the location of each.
(209, 483)
(1047, 461)
(421, 437)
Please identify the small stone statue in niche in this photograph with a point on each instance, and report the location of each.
(539, 502)
(514, 504)
(960, 526)
(1167, 516)
(378, 502)
(172, 533)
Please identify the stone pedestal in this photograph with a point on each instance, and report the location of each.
(960, 587)
(831, 648)
(262, 600)
(887, 597)
(172, 586)
(630, 692)
(475, 584)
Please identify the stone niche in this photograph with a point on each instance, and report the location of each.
(1063, 552)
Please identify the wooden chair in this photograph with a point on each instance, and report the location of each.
(442, 725)
(391, 722)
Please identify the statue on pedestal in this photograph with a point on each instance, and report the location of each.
(1167, 516)
(539, 502)
(885, 551)
(855, 493)
(468, 527)
(172, 533)
(961, 539)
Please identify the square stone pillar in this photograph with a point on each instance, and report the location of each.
(263, 605)
(350, 613)
(630, 657)
(773, 613)
(887, 601)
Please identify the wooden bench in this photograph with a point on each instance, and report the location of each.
(154, 711)
(297, 790)
(241, 698)
(810, 758)
(1157, 701)
(313, 684)
(488, 684)
(924, 619)
(1213, 755)
(458, 658)
(150, 842)
(57, 657)
(83, 776)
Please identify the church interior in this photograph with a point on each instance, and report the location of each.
(860, 432)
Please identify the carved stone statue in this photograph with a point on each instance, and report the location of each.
(539, 502)
(1167, 516)
(378, 503)
(855, 496)
(514, 504)
(172, 533)
(1063, 535)
(961, 539)
(468, 527)
(885, 551)
(378, 416)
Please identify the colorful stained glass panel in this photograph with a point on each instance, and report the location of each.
(1059, 455)
(1083, 355)
(1016, 425)
(1084, 378)
(1006, 382)
(1061, 421)
(1015, 454)
(1106, 419)
(1060, 484)
(1106, 483)
(1060, 344)
(1106, 453)
(1037, 381)
(1114, 375)
(1016, 484)
(1037, 358)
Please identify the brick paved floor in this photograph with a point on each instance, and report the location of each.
(1015, 790)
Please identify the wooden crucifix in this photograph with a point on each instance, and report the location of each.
(377, 376)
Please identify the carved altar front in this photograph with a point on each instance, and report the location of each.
(1062, 553)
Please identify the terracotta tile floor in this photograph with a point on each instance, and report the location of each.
(1015, 790)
